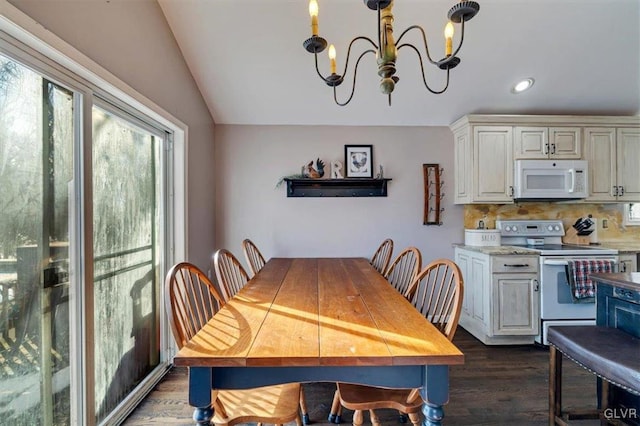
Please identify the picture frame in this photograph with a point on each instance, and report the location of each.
(358, 160)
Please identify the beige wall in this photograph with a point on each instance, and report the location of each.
(132, 40)
(250, 160)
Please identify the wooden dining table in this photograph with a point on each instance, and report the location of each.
(319, 320)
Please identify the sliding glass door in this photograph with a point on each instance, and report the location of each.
(83, 247)
(36, 178)
(127, 241)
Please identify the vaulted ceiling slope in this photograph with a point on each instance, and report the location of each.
(247, 58)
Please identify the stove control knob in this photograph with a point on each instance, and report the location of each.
(556, 228)
(507, 228)
(514, 228)
(550, 227)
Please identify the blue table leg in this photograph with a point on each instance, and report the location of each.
(435, 391)
(200, 382)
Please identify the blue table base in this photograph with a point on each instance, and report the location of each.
(433, 381)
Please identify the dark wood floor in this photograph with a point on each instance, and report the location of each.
(497, 385)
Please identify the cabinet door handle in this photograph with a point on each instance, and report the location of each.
(536, 285)
(615, 190)
(553, 148)
(510, 191)
(516, 265)
(621, 190)
(546, 149)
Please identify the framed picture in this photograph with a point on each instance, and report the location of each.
(358, 160)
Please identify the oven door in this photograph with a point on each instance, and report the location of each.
(555, 293)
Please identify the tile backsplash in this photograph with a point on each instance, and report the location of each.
(568, 213)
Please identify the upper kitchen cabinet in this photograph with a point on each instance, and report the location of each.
(483, 163)
(547, 142)
(486, 146)
(614, 156)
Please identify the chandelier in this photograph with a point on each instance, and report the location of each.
(386, 49)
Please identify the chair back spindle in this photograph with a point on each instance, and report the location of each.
(381, 258)
(255, 259)
(230, 274)
(437, 293)
(404, 269)
(191, 301)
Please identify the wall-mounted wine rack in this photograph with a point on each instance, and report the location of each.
(433, 194)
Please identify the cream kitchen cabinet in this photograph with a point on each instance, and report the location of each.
(547, 142)
(614, 156)
(516, 296)
(484, 164)
(485, 147)
(501, 303)
(477, 286)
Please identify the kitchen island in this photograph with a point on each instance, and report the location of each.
(618, 306)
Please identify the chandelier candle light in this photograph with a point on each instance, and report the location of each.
(386, 50)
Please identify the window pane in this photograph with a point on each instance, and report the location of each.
(632, 214)
(36, 169)
(126, 224)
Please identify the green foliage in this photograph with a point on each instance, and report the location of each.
(296, 176)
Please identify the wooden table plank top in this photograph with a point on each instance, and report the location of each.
(289, 334)
(348, 333)
(229, 335)
(410, 338)
(318, 312)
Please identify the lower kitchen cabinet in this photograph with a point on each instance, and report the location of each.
(501, 303)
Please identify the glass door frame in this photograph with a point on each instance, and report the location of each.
(68, 68)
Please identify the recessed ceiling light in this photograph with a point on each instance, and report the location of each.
(523, 85)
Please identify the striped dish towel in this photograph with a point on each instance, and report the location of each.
(578, 273)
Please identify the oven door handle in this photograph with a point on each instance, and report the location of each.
(564, 262)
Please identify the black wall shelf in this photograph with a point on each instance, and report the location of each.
(352, 187)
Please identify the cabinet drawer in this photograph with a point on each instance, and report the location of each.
(513, 264)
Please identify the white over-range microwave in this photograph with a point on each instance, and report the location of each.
(550, 179)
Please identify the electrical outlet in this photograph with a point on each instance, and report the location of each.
(605, 223)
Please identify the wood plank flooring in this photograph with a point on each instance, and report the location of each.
(497, 385)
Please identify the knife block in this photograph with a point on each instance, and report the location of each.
(572, 237)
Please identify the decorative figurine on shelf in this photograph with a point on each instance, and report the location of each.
(380, 174)
(314, 173)
(336, 170)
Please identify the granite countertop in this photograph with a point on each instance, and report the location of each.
(499, 250)
(622, 246)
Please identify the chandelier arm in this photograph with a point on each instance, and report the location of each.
(317, 70)
(346, 63)
(332, 83)
(424, 40)
(424, 79)
(353, 86)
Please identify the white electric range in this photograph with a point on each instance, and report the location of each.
(557, 306)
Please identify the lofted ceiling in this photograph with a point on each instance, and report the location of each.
(247, 58)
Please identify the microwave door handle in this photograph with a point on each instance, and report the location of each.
(572, 173)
